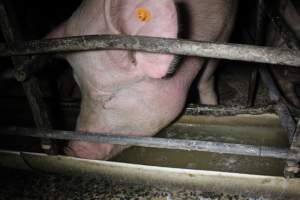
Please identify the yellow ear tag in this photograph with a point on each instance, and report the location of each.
(143, 14)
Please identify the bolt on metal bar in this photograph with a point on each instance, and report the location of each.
(31, 87)
(189, 145)
(240, 52)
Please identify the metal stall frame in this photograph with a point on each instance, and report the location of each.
(250, 53)
(10, 31)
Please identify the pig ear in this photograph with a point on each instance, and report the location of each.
(149, 18)
(58, 32)
(154, 65)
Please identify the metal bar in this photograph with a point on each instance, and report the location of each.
(194, 109)
(31, 87)
(279, 23)
(252, 88)
(189, 145)
(260, 22)
(290, 40)
(227, 111)
(31, 66)
(286, 33)
(292, 166)
(296, 140)
(286, 119)
(157, 45)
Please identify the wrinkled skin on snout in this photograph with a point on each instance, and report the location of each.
(123, 92)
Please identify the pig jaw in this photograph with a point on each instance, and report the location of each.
(89, 150)
(140, 110)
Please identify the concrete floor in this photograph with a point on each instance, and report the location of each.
(26, 185)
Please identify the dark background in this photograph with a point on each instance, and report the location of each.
(35, 19)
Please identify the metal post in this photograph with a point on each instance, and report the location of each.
(260, 22)
(291, 167)
(31, 86)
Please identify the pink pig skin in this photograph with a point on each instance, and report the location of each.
(122, 91)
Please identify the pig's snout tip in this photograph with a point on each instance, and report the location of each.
(69, 151)
(88, 150)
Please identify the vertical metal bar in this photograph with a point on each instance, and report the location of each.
(281, 106)
(286, 119)
(290, 39)
(260, 21)
(31, 86)
(292, 166)
(252, 88)
(286, 33)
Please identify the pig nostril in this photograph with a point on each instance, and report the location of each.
(143, 14)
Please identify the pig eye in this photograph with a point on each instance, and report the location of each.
(143, 14)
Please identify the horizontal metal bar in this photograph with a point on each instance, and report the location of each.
(193, 109)
(158, 45)
(189, 145)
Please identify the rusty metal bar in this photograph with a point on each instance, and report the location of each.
(31, 87)
(287, 34)
(296, 139)
(194, 109)
(31, 66)
(259, 37)
(248, 53)
(189, 145)
(292, 166)
(227, 111)
(286, 119)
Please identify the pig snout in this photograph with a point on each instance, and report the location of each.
(89, 150)
(123, 91)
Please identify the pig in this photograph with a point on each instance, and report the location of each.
(127, 92)
(286, 77)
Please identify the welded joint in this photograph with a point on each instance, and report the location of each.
(291, 169)
(20, 75)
